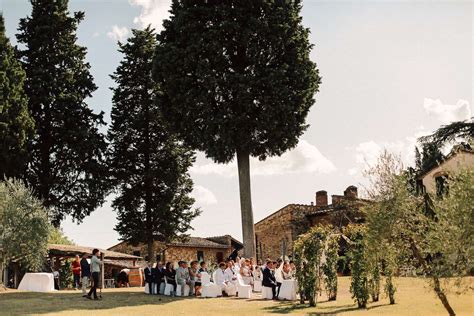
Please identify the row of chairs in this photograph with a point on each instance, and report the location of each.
(210, 289)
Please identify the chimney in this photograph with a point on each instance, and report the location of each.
(336, 199)
(321, 198)
(351, 192)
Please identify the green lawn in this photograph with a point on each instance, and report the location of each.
(413, 298)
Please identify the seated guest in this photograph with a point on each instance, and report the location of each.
(149, 278)
(230, 273)
(278, 266)
(198, 284)
(222, 280)
(286, 271)
(170, 276)
(158, 276)
(257, 274)
(293, 268)
(245, 272)
(182, 277)
(193, 274)
(122, 279)
(269, 278)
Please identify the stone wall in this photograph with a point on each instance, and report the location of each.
(276, 233)
(174, 253)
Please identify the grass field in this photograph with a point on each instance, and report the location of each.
(413, 298)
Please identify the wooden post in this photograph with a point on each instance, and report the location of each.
(102, 270)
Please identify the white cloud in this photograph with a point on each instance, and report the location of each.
(366, 154)
(118, 33)
(203, 196)
(447, 113)
(305, 158)
(152, 12)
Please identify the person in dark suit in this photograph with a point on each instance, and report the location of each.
(159, 275)
(269, 278)
(149, 277)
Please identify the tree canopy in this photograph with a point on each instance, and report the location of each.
(236, 79)
(16, 124)
(148, 164)
(66, 168)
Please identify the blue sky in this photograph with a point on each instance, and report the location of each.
(392, 71)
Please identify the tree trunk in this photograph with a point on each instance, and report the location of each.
(442, 297)
(243, 163)
(437, 287)
(151, 250)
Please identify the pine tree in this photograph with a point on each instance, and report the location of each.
(67, 165)
(16, 124)
(149, 166)
(237, 80)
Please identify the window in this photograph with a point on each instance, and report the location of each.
(200, 256)
(137, 253)
(441, 185)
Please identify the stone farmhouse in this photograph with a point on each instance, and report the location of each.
(212, 249)
(276, 233)
(433, 181)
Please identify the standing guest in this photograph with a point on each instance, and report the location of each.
(198, 284)
(193, 275)
(269, 278)
(95, 269)
(149, 277)
(76, 271)
(233, 255)
(182, 277)
(170, 276)
(56, 279)
(85, 273)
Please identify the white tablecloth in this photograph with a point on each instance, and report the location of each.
(288, 290)
(37, 282)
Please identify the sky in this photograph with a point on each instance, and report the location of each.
(391, 71)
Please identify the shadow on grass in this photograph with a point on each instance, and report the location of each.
(289, 307)
(26, 303)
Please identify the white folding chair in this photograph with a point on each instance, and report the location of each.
(209, 289)
(168, 288)
(243, 290)
(267, 293)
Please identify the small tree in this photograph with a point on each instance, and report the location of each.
(374, 277)
(330, 266)
(358, 263)
(309, 249)
(24, 227)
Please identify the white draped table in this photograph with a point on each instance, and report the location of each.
(37, 282)
(288, 290)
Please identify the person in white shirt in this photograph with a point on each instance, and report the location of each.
(230, 273)
(278, 275)
(245, 271)
(221, 279)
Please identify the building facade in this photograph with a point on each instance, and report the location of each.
(211, 249)
(276, 233)
(459, 158)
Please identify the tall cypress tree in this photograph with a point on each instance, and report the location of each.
(237, 80)
(149, 166)
(67, 166)
(16, 124)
